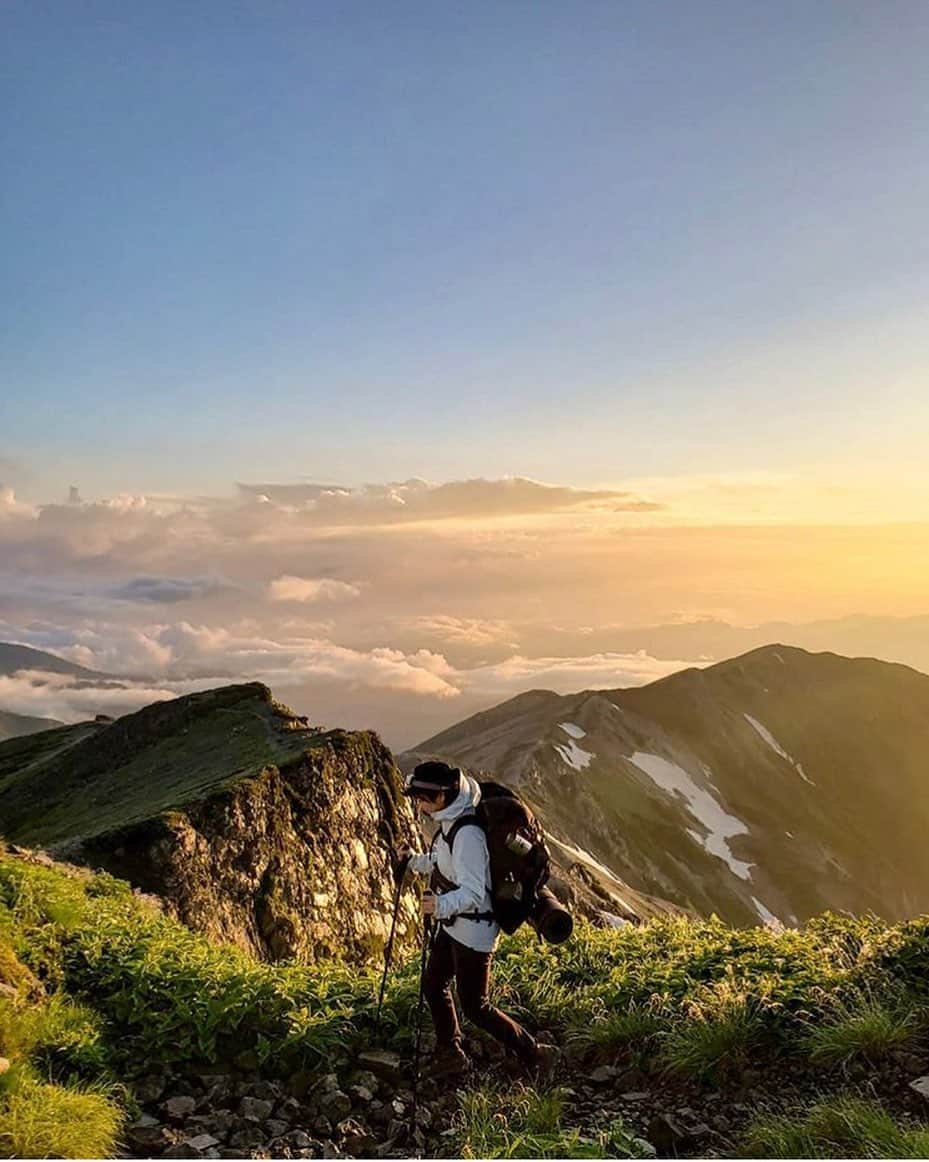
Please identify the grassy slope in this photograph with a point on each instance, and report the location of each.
(676, 998)
(84, 780)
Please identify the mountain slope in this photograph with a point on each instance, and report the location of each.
(770, 786)
(16, 657)
(14, 725)
(254, 828)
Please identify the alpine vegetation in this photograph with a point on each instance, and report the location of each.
(120, 1024)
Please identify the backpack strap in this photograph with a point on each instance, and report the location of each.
(469, 820)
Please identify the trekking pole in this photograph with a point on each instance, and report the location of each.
(428, 937)
(388, 953)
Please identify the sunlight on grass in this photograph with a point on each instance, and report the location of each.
(842, 1127)
(522, 1123)
(50, 1121)
(866, 1030)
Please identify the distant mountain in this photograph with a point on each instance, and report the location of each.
(768, 787)
(13, 725)
(15, 657)
(892, 639)
(253, 827)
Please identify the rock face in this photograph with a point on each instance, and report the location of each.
(767, 788)
(293, 863)
(252, 828)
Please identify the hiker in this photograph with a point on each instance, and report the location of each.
(460, 904)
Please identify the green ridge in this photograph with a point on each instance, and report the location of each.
(80, 781)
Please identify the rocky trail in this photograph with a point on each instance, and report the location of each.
(365, 1110)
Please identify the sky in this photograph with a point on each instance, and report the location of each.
(591, 317)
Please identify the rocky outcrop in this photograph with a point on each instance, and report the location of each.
(293, 863)
(251, 826)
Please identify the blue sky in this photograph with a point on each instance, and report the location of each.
(581, 242)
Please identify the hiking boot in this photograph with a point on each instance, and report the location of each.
(449, 1061)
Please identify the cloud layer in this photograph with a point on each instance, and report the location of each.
(410, 603)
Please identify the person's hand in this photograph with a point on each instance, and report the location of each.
(402, 855)
(428, 903)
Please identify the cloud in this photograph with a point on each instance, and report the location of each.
(178, 653)
(11, 507)
(309, 589)
(463, 631)
(417, 500)
(167, 590)
(569, 675)
(44, 695)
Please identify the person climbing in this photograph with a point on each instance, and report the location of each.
(460, 903)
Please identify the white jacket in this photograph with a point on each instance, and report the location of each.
(467, 864)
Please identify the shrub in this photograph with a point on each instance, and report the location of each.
(865, 1029)
(841, 1127)
(716, 1033)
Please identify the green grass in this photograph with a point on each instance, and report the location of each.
(521, 1123)
(169, 995)
(838, 1127)
(723, 1029)
(58, 1099)
(38, 1120)
(629, 1033)
(675, 994)
(103, 983)
(865, 1030)
(79, 781)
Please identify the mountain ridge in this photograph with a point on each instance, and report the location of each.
(756, 787)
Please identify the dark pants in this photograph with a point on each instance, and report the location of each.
(471, 972)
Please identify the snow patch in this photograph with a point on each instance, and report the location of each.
(777, 748)
(572, 729)
(573, 755)
(770, 920)
(718, 822)
(611, 920)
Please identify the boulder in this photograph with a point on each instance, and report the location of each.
(179, 1108)
(668, 1134)
(603, 1074)
(356, 1138)
(256, 1109)
(298, 1140)
(147, 1136)
(247, 1136)
(202, 1142)
(149, 1089)
(921, 1086)
(333, 1104)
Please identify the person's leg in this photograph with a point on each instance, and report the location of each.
(437, 990)
(472, 977)
(450, 1059)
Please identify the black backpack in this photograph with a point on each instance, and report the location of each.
(520, 862)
